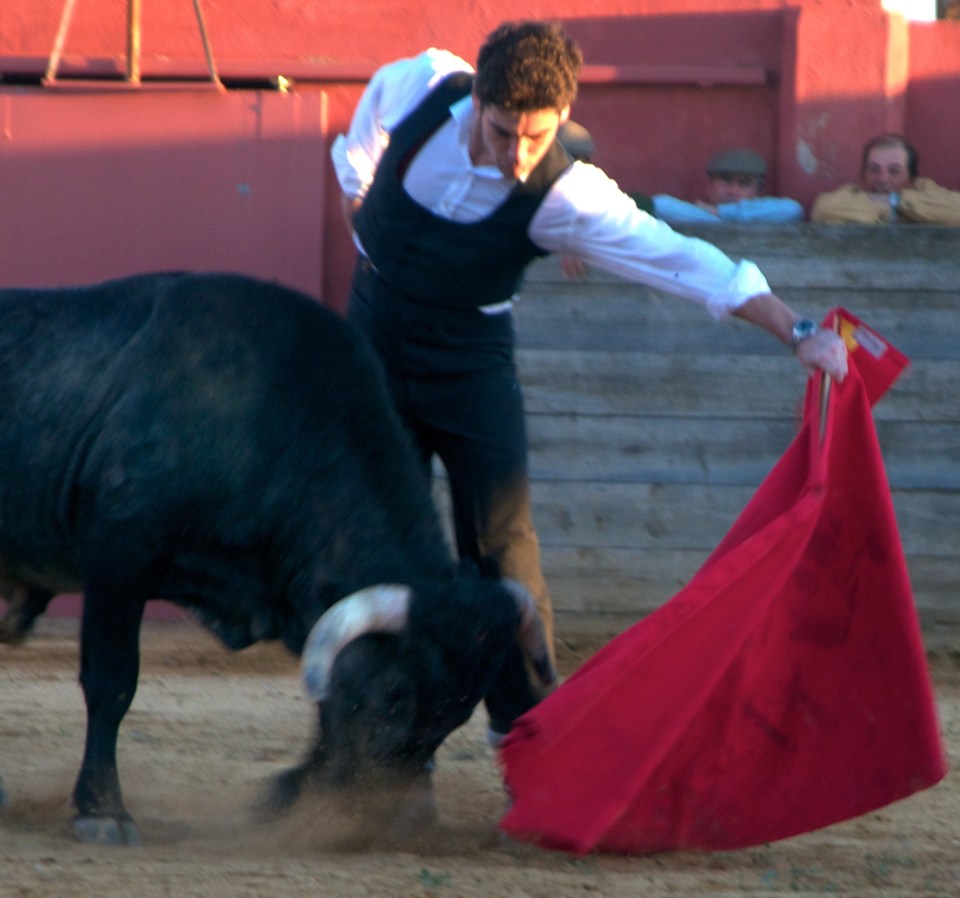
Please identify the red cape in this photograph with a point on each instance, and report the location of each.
(784, 689)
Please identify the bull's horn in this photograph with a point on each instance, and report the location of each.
(377, 609)
(533, 637)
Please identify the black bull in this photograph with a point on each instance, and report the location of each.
(229, 445)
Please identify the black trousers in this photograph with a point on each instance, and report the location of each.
(452, 376)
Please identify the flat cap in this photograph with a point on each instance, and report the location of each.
(576, 140)
(737, 162)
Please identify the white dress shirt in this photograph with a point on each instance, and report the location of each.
(585, 214)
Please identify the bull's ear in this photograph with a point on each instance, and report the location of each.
(533, 637)
(377, 609)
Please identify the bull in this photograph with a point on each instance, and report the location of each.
(229, 445)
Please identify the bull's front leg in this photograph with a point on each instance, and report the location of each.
(109, 668)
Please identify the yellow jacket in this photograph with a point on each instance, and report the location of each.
(924, 203)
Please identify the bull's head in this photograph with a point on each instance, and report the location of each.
(397, 668)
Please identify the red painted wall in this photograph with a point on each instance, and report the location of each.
(95, 184)
(933, 99)
(667, 81)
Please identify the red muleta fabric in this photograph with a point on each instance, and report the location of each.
(783, 690)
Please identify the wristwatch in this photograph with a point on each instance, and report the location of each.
(803, 329)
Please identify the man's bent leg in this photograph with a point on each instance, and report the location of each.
(508, 536)
(484, 450)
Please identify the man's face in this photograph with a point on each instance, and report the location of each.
(515, 142)
(732, 188)
(885, 171)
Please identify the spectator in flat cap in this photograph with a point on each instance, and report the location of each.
(734, 184)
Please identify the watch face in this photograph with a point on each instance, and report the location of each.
(802, 330)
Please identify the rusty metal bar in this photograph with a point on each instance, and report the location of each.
(134, 31)
(211, 64)
(133, 41)
(53, 62)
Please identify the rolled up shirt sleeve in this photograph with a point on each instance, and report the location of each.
(587, 215)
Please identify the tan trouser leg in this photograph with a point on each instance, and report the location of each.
(510, 539)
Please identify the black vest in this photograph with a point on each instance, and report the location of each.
(441, 262)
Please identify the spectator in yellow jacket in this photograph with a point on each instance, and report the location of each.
(889, 191)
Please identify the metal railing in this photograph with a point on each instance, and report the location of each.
(133, 75)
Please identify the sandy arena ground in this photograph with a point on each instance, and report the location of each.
(207, 730)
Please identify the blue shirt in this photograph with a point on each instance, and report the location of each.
(761, 209)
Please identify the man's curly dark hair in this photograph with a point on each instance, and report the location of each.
(528, 65)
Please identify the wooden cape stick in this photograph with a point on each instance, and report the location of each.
(825, 384)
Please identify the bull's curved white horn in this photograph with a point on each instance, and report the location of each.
(533, 637)
(377, 609)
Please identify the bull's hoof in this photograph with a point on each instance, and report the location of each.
(418, 809)
(106, 831)
(414, 817)
(281, 793)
